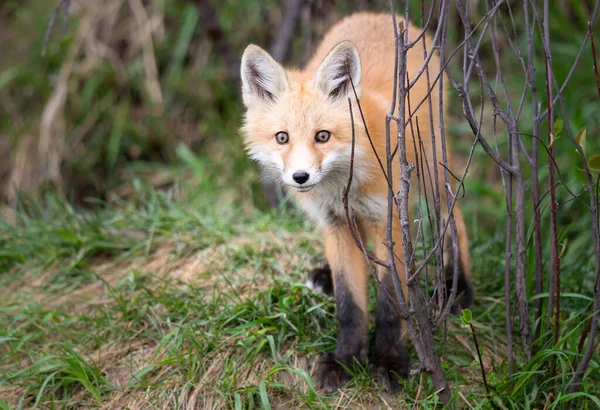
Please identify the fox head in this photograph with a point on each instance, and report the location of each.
(298, 125)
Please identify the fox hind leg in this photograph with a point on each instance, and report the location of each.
(464, 290)
(389, 359)
(321, 280)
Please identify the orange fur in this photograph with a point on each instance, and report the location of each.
(302, 110)
(297, 107)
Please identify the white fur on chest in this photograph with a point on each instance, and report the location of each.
(326, 207)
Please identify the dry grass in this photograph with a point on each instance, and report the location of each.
(106, 43)
(170, 267)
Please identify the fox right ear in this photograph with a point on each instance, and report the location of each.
(340, 71)
(263, 79)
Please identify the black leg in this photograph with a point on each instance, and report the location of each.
(320, 280)
(351, 343)
(389, 358)
(464, 291)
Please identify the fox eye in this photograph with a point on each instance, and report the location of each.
(282, 137)
(322, 136)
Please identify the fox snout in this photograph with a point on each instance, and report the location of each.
(301, 177)
(302, 167)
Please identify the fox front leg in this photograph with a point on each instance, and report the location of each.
(349, 273)
(389, 359)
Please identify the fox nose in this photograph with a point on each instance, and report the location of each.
(300, 177)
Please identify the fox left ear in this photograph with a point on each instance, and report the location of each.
(263, 79)
(340, 69)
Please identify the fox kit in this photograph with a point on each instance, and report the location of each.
(298, 127)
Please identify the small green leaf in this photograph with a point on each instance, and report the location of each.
(594, 162)
(116, 137)
(559, 123)
(564, 247)
(466, 317)
(498, 402)
(581, 137)
(573, 396)
(238, 401)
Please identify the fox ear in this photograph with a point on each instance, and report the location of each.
(263, 79)
(340, 67)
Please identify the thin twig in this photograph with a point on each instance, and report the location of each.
(64, 5)
(423, 342)
(364, 122)
(487, 389)
(349, 217)
(577, 58)
(548, 400)
(421, 374)
(519, 188)
(537, 224)
(595, 63)
(554, 283)
(449, 201)
(287, 27)
(575, 381)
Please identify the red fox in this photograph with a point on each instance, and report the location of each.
(297, 126)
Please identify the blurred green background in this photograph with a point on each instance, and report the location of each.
(136, 92)
(130, 88)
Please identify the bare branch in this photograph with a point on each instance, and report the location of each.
(577, 58)
(423, 341)
(594, 56)
(350, 221)
(287, 27)
(519, 187)
(63, 6)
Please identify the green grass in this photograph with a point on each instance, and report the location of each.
(160, 303)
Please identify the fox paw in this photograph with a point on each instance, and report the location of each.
(389, 367)
(330, 375)
(320, 280)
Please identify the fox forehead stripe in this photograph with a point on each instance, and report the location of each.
(302, 157)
